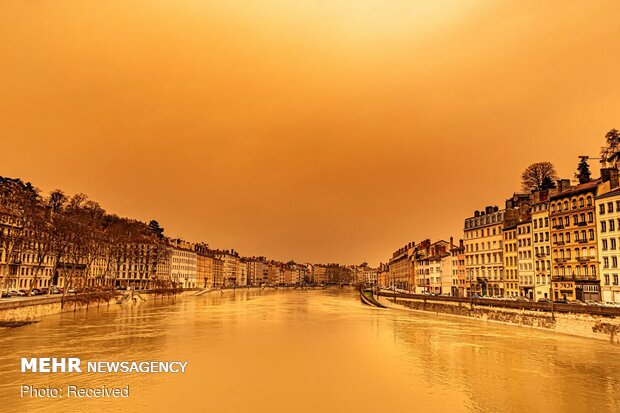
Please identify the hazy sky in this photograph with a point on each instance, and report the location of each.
(310, 130)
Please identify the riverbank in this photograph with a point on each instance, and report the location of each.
(582, 325)
(27, 310)
(14, 313)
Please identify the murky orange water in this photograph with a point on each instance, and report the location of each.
(311, 351)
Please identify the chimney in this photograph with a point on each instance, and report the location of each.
(489, 209)
(563, 184)
(476, 213)
(451, 242)
(610, 175)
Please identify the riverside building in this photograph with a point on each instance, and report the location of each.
(483, 251)
(401, 268)
(458, 268)
(511, 267)
(574, 242)
(183, 264)
(542, 246)
(525, 259)
(608, 225)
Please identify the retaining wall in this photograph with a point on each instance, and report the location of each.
(583, 325)
(14, 312)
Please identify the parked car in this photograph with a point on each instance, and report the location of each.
(44, 291)
(35, 291)
(5, 294)
(611, 304)
(592, 302)
(56, 290)
(523, 299)
(561, 301)
(72, 290)
(576, 302)
(544, 300)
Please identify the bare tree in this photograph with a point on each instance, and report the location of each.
(611, 151)
(539, 176)
(16, 198)
(39, 240)
(56, 200)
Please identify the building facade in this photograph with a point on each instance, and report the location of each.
(608, 225)
(401, 268)
(511, 267)
(541, 241)
(525, 259)
(574, 243)
(484, 264)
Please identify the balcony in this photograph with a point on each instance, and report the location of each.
(584, 259)
(560, 260)
(583, 241)
(581, 224)
(541, 255)
(558, 226)
(559, 243)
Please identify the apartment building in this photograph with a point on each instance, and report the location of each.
(511, 265)
(401, 268)
(574, 243)
(541, 242)
(484, 264)
(458, 269)
(608, 225)
(525, 259)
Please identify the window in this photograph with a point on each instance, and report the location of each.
(614, 262)
(601, 209)
(612, 225)
(612, 243)
(603, 226)
(610, 207)
(606, 262)
(581, 202)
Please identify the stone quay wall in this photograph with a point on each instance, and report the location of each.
(598, 327)
(26, 310)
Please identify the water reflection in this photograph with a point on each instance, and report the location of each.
(311, 351)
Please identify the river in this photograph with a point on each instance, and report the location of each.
(310, 351)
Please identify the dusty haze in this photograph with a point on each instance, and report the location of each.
(314, 131)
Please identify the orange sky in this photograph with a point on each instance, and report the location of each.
(310, 130)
